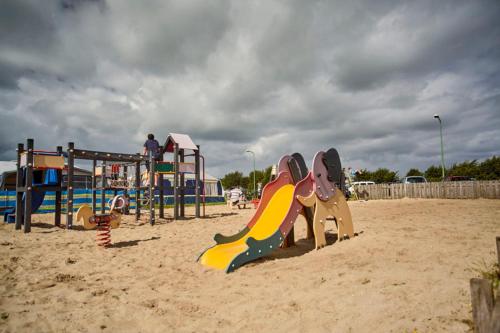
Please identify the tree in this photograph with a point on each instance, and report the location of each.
(267, 176)
(467, 168)
(363, 175)
(245, 181)
(433, 173)
(232, 179)
(489, 169)
(236, 178)
(381, 175)
(259, 175)
(384, 175)
(414, 172)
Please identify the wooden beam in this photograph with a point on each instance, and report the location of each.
(152, 164)
(176, 182)
(58, 197)
(125, 192)
(19, 184)
(103, 185)
(94, 185)
(71, 168)
(108, 156)
(197, 182)
(182, 185)
(162, 191)
(137, 191)
(28, 185)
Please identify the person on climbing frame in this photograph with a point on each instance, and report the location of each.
(151, 146)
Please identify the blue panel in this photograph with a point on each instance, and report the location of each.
(51, 177)
(219, 188)
(84, 196)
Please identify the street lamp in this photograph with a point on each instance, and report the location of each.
(254, 184)
(442, 150)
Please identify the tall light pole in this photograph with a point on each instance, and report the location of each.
(442, 149)
(254, 184)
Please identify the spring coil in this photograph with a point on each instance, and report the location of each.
(103, 237)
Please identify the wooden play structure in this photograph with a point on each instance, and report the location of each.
(114, 171)
(34, 170)
(316, 194)
(179, 145)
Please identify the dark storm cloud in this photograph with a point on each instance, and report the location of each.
(24, 29)
(271, 76)
(418, 38)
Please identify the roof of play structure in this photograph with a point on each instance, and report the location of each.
(7, 166)
(183, 140)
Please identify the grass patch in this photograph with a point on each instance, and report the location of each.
(488, 271)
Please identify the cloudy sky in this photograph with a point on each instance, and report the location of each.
(274, 77)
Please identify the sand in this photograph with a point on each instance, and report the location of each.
(408, 269)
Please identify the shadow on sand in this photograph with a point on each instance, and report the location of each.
(301, 247)
(132, 242)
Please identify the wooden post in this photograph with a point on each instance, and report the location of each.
(485, 310)
(176, 181)
(482, 304)
(103, 187)
(182, 186)
(125, 191)
(58, 197)
(152, 165)
(19, 184)
(28, 186)
(197, 182)
(137, 191)
(94, 186)
(71, 167)
(498, 249)
(161, 190)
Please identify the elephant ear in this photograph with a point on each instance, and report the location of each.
(301, 165)
(323, 187)
(331, 159)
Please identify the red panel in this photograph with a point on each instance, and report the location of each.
(303, 188)
(324, 189)
(170, 147)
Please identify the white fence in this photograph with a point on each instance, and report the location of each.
(438, 190)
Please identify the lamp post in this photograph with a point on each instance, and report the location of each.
(442, 149)
(254, 184)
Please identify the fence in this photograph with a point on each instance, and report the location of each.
(438, 190)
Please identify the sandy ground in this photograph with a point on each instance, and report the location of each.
(408, 269)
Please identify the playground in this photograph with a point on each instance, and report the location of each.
(408, 269)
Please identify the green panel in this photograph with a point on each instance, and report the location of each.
(221, 239)
(256, 249)
(165, 167)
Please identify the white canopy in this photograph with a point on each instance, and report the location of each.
(7, 166)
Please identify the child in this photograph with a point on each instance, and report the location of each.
(151, 146)
(235, 195)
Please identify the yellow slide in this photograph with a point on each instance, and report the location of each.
(221, 255)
